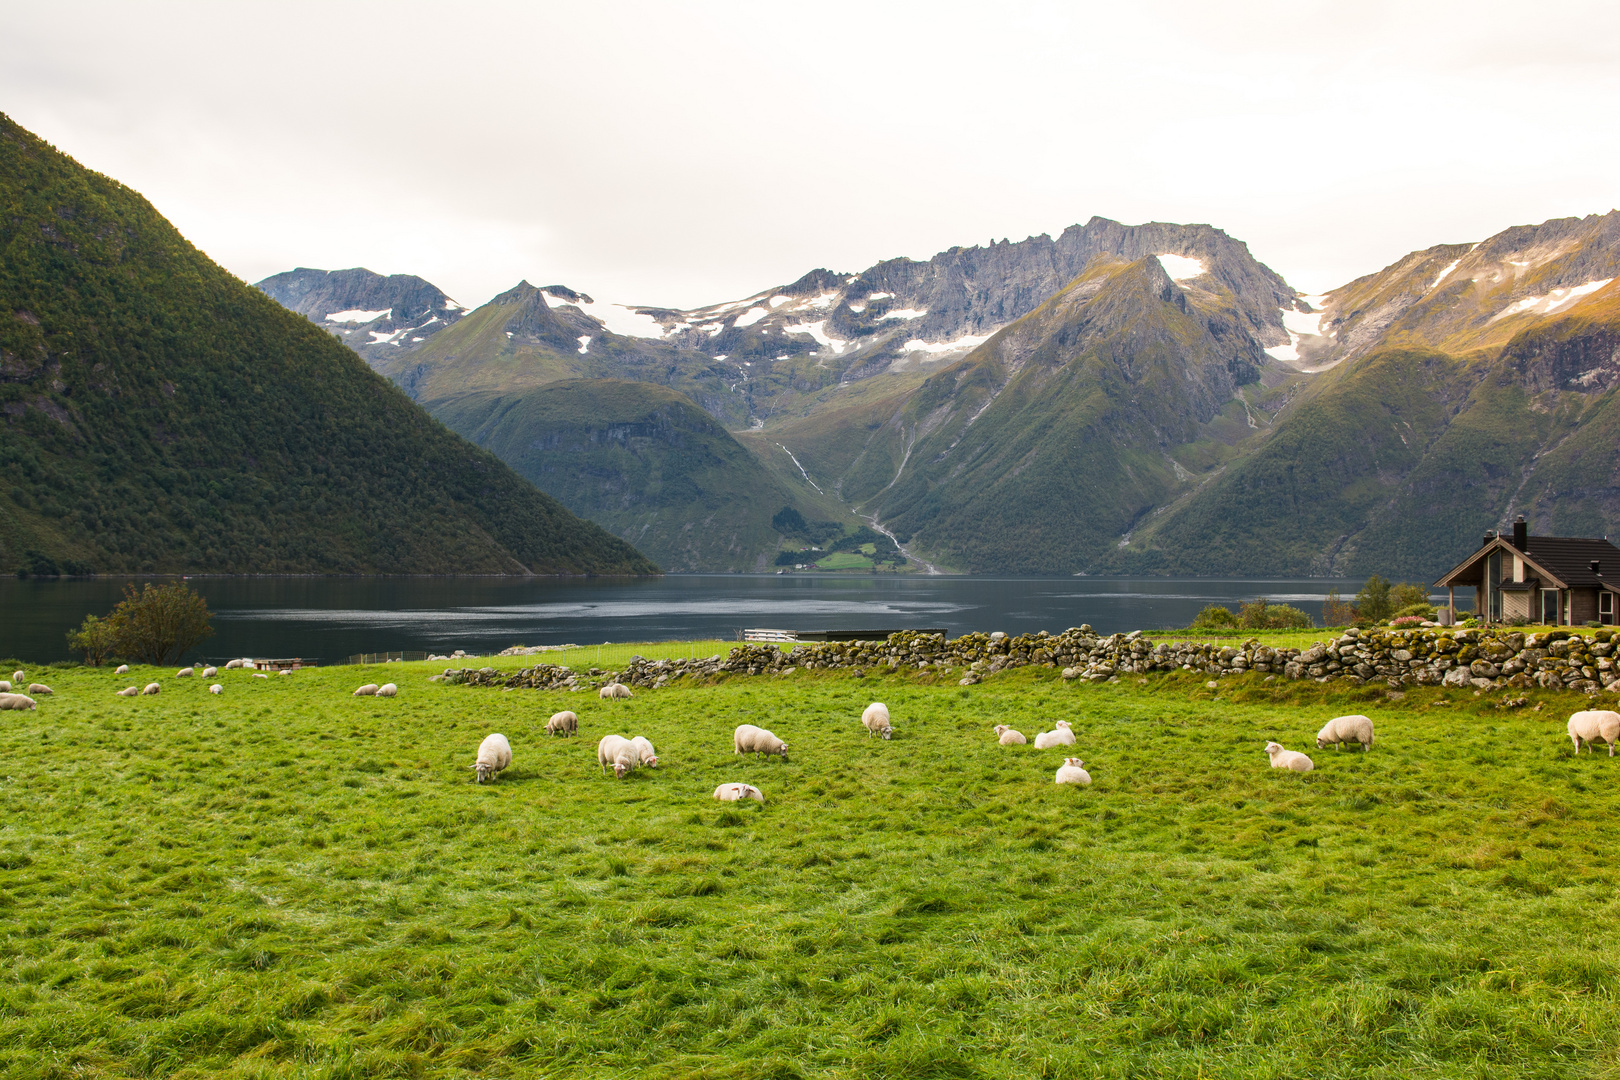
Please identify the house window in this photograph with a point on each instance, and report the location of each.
(1606, 607)
(1549, 607)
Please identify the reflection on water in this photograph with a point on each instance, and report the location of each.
(331, 618)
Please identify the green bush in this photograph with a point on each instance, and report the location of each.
(95, 638)
(1373, 602)
(1215, 617)
(156, 625)
(1423, 611)
(1259, 615)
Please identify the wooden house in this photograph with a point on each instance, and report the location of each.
(1556, 580)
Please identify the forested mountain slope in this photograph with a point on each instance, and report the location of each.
(156, 414)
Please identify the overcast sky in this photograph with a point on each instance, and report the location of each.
(681, 154)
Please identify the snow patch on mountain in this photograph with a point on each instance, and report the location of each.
(817, 330)
(966, 341)
(906, 313)
(617, 318)
(1552, 303)
(1182, 268)
(359, 316)
(751, 316)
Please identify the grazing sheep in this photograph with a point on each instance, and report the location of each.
(1060, 736)
(564, 723)
(645, 752)
(1343, 729)
(614, 691)
(39, 688)
(738, 792)
(1008, 737)
(748, 739)
(284, 671)
(367, 690)
(1594, 724)
(1072, 773)
(185, 673)
(387, 689)
(151, 688)
(5, 686)
(232, 665)
(618, 751)
(494, 754)
(260, 675)
(216, 689)
(1288, 759)
(123, 669)
(17, 676)
(17, 701)
(210, 672)
(129, 691)
(876, 719)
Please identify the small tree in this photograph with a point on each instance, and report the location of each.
(159, 623)
(1372, 602)
(1335, 612)
(95, 638)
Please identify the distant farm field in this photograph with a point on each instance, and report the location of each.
(287, 881)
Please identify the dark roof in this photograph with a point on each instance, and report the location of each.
(1570, 558)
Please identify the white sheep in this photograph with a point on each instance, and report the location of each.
(876, 720)
(152, 688)
(1346, 729)
(1059, 736)
(1008, 737)
(232, 665)
(39, 688)
(1594, 724)
(123, 669)
(130, 691)
(5, 686)
(616, 750)
(748, 739)
(614, 691)
(645, 753)
(1071, 772)
(738, 792)
(185, 673)
(494, 754)
(216, 689)
(210, 672)
(18, 676)
(366, 691)
(260, 675)
(1288, 759)
(285, 671)
(387, 689)
(564, 723)
(17, 701)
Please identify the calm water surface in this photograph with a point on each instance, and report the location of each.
(330, 618)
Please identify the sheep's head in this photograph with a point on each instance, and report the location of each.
(651, 761)
(1001, 729)
(1076, 762)
(1321, 743)
(482, 772)
(886, 732)
(1273, 748)
(1061, 723)
(620, 768)
(782, 749)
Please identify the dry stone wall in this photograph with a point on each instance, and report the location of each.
(1480, 659)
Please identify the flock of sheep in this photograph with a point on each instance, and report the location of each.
(15, 698)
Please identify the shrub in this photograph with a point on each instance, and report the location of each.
(1215, 617)
(1259, 615)
(1422, 611)
(159, 623)
(1409, 595)
(95, 638)
(1335, 612)
(1404, 621)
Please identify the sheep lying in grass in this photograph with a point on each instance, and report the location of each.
(1594, 724)
(366, 691)
(645, 755)
(130, 691)
(1072, 773)
(1343, 729)
(494, 754)
(564, 723)
(1008, 737)
(210, 672)
(216, 689)
(152, 688)
(738, 792)
(876, 720)
(185, 673)
(1288, 759)
(39, 688)
(614, 691)
(17, 701)
(1059, 736)
(618, 751)
(260, 675)
(123, 669)
(387, 689)
(748, 739)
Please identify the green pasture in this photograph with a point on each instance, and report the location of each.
(287, 881)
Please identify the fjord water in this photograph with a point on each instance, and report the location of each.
(331, 618)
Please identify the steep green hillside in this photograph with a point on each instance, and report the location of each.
(156, 414)
(643, 461)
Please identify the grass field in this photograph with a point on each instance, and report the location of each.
(286, 881)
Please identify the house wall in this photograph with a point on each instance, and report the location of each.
(1583, 606)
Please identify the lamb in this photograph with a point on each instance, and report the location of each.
(130, 691)
(1008, 737)
(17, 701)
(614, 691)
(748, 739)
(564, 723)
(1072, 773)
(210, 672)
(123, 669)
(39, 688)
(367, 690)
(494, 754)
(738, 792)
(387, 689)
(618, 751)
(151, 688)
(1343, 729)
(1059, 736)
(876, 719)
(185, 673)
(216, 689)
(645, 752)
(1594, 724)
(1288, 759)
